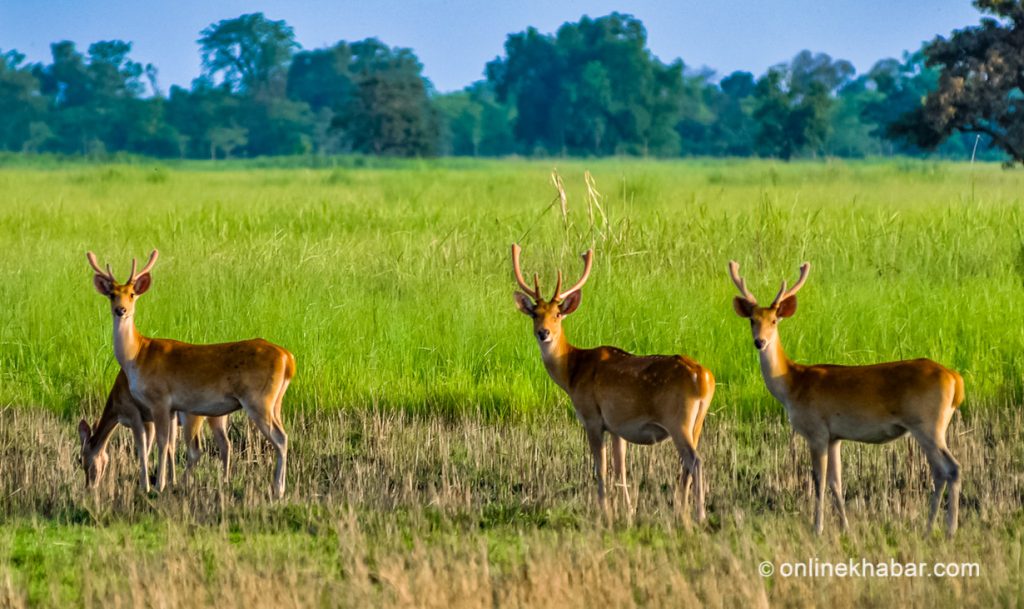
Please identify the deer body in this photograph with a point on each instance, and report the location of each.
(168, 376)
(874, 404)
(637, 399)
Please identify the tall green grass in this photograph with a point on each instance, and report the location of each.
(392, 284)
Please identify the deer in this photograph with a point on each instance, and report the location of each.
(873, 404)
(639, 399)
(167, 376)
(122, 408)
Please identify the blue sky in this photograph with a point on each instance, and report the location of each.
(455, 38)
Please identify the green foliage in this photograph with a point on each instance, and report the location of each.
(249, 54)
(389, 113)
(475, 123)
(792, 104)
(979, 86)
(592, 88)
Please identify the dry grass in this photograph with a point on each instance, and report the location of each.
(387, 509)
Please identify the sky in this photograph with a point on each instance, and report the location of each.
(454, 39)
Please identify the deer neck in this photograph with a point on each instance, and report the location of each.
(128, 342)
(557, 355)
(777, 369)
(104, 429)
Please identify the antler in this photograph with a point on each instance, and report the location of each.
(145, 269)
(558, 286)
(531, 292)
(784, 293)
(588, 262)
(96, 267)
(734, 272)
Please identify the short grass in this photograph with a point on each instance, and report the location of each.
(433, 462)
(388, 509)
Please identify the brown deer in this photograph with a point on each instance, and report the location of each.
(167, 376)
(875, 404)
(637, 399)
(122, 408)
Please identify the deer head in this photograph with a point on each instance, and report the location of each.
(122, 295)
(547, 315)
(764, 321)
(94, 459)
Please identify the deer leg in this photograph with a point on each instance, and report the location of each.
(953, 482)
(142, 448)
(172, 444)
(619, 468)
(819, 466)
(193, 425)
(945, 471)
(698, 424)
(939, 482)
(263, 416)
(691, 466)
(595, 438)
(835, 481)
(219, 426)
(150, 436)
(163, 422)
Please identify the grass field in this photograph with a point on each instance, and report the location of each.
(433, 462)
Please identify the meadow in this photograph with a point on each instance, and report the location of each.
(432, 460)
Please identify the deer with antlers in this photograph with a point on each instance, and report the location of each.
(637, 399)
(827, 404)
(167, 376)
(122, 408)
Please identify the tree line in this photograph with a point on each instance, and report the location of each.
(592, 88)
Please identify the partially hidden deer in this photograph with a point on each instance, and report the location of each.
(122, 408)
(640, 399)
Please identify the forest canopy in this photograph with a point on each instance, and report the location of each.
(592, 88)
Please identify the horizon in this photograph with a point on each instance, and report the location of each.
(452, 62)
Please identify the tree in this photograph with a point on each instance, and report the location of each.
(390, 111)
(528, 78)
(793, 104)
(461, 124)
(474, 123)
(197, 112)
(96, 102)
(21, 105)
(592, 88)
(227, 139)
(734, 114)
(322, 78)
(248, 53)
(980, 86)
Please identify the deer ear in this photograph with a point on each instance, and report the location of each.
(743, 307)
(84, 431)
(102, 285)
(524, 304)
(571, 302)
(787, 307)
(142, 283)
